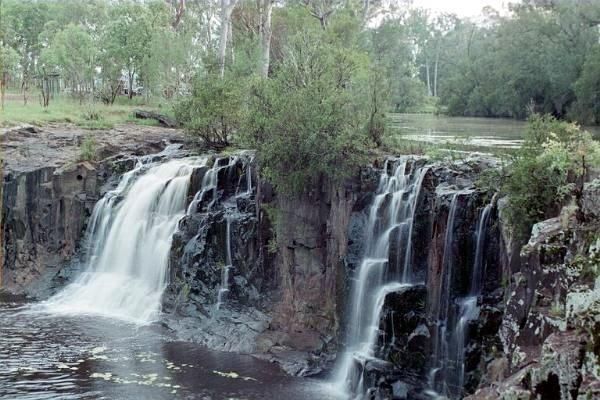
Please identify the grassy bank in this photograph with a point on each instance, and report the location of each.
(89, 115)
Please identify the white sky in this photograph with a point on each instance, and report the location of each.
(463, 8)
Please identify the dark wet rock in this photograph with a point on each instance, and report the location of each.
(219, 218)
(44, 215)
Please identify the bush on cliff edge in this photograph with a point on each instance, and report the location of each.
(310, 119)
(550, 168)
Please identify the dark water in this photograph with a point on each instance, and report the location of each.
(51, 357)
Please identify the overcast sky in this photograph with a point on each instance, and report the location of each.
(463, 8)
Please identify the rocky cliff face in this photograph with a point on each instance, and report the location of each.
(426, 339)
(550, 330)
(219, 277)
(279, 258)
(46, 212)
(258, 272)
(312, 237)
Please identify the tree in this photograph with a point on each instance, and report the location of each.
(9, 60)
(309, 118)
(587, 90)
(26, 20)
(72, 51)
(126, 39)
(551, 167)
(529, 59)
(213, 111)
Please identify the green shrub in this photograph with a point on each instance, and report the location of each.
(309, 120)
(213, 112)
(551, 167)
(88, 149)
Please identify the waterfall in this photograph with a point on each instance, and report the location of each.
(128, 243)
(448, 372)
(468, 308)
(481, 231)
(440, 343)
(390, 216)
(224, 289)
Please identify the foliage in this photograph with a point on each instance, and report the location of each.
(88, 151)
(542, 56)
(308, 121)
(72, 53)
(213, 112)
(552, 166)
(587, 90)
(530, 60)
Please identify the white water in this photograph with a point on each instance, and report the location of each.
(448, 374)
(440, 344)
(468, 308)
(224, 289)
(393, 208)
(129, 239)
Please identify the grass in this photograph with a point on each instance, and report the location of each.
(66, 110)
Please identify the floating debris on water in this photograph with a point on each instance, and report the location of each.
(233, 375)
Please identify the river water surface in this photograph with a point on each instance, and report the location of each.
(88, 357)
(482, 133)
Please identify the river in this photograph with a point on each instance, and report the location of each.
(82, 357)
(473, 133)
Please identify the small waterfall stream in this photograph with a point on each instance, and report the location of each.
(129, 239)
(448, 367)
(390, 216)
(224, 289)
(388, 268)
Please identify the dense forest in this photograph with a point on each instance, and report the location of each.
(543, 55)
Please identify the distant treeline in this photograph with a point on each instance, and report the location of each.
(542, 56)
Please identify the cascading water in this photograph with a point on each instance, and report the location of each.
(129, 238)
(220, 190)
(224, 289)
(390, 216)
(468, 308)
(440, 343)
(448, 372)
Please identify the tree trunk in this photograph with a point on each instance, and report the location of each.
(230, 42)
(428, 78)
(179, 10)
(130, 84)
(3, 84)
(366, 6)
(226, 10)
(265, 36)
(25, 87)
(435, 72)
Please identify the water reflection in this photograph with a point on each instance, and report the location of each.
(499, 133)
(85, 357)
(480, 132)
